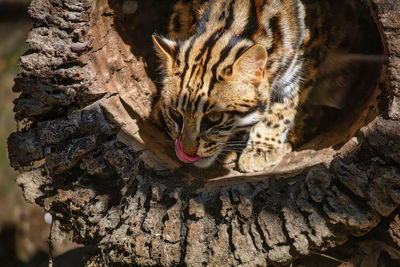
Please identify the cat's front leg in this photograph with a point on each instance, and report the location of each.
(267, 139)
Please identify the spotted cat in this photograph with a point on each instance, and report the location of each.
(235, 72)
(238, 70)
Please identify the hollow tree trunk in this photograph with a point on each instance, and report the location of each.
(90, 157)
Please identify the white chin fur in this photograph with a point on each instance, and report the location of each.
(249, 119)
(206, 162)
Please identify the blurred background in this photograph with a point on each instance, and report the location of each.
(23, 231)
(18, 244)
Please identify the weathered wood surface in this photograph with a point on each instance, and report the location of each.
(88, 156)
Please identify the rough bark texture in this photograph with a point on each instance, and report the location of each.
(89, 157)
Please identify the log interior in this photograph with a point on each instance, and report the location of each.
(333, 129)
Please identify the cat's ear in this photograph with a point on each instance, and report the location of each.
(165, 49)
(251, 64)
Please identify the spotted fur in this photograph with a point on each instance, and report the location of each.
(239, 69)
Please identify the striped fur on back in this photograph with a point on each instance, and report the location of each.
(227, 28)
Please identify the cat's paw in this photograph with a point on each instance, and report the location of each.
(286, 148)
(229, 159)
(252, 160)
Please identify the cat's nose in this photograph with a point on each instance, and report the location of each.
(181, 154)
(191, 152)
(189, 147)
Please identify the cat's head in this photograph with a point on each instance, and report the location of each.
(209, 94)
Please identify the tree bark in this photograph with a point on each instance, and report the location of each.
(89, 155)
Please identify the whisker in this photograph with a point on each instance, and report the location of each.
(234, 142)
(232, 150)
(223, 144)
(233, 145)
(252, 145)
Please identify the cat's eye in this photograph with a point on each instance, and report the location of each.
(214, 117)
(176, 116)
(211, 119)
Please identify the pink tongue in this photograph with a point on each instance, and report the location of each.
(182, 155)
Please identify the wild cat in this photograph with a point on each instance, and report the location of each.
(234, 68)
(240, 71)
